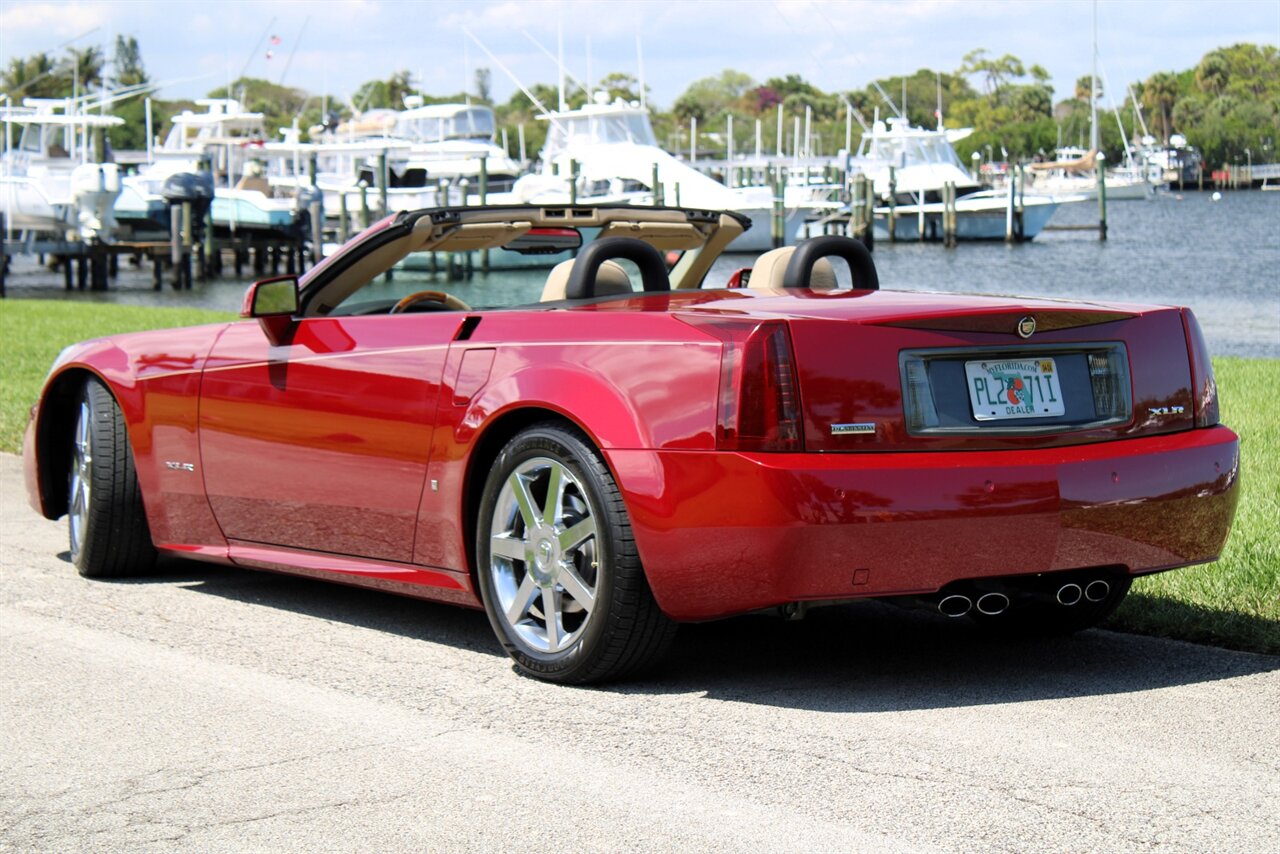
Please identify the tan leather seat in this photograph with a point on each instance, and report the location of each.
(254, 182)
(611, 278)
(769, 269)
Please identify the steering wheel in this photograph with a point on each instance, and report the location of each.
(449, 301)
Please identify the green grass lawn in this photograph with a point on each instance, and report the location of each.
(33, 332)
(1234, 602)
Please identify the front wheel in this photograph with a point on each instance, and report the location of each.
(107, 524)
(558, 568)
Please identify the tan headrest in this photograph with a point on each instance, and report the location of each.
(611, 278)
(769, 269)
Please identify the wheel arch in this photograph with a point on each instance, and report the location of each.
(53, 429)
(486, 447)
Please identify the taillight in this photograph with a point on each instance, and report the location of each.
(1109, 374)
(918, 403)
(1204, 388)
(759, 401)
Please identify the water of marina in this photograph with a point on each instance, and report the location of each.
(1221, 258)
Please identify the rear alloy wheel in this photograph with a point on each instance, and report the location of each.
(106, 522)
(558, 569)
(1047, 618)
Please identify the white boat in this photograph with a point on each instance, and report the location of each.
(449, 141)
(615, 153)
(1177, 162)
(433, 157)
(225, 141)
(52, 181)
(912, 166)
(983, 215)
(1074, 172)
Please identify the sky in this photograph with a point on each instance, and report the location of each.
(838, 45)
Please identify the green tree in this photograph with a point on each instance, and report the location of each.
(1159, 94)
(619, 84)
(483, 83)
(1212, 74)
(921, 90)
(996, 72)
(127, 62)
(85, 67)
(127, 70)
(1082, 88)
(34, 76)
(710, 98)
(384, 94)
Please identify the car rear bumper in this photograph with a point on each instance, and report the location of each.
(723, 533)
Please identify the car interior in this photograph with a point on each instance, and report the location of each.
(618, 251)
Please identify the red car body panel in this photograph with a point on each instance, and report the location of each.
(733, 532)
(353, 450)
(323, 443)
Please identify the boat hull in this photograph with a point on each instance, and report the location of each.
(985, 219)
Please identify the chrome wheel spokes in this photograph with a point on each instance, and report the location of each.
(80, 479)
(543, 555)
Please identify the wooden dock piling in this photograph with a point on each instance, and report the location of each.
(484, 200)
(382, 182)
(893, 205)
(1102, 196)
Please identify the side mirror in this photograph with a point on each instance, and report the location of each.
(271, 298)
(273, 302)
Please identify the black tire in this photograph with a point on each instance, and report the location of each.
(1046, 618)
(107, 525)
(606, 624)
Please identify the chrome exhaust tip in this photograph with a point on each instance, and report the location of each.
(954, 605)
(1069, 594)
(1097, 590)
(992, 604)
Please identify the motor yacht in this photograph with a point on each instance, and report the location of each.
(54, 181)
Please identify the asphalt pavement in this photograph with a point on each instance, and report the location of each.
(217, 709)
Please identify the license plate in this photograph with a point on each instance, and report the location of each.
(1014, 388)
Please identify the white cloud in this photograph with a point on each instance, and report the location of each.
(62, 20)
(836, 44)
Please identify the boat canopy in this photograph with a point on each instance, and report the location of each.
(225, 121)
(1083, 161)
(47, 133)
(901, 145)
(441, 122)
(599, 124)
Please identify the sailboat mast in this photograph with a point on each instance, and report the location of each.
(640, 70)
(1093, 85)
(560, 59)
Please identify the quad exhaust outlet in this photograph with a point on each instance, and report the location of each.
(992, 604)
(1097, 590)
(955, 605)
(1069, 594)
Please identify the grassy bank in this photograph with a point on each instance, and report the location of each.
(1234, 602)
(33, 332)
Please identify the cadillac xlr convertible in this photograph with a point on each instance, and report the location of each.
(643, 446)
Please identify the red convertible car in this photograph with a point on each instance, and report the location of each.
(643, 446)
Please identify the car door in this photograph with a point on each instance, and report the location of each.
(321, 443)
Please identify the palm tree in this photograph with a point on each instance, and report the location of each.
(31, 77)
(1159, 94)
